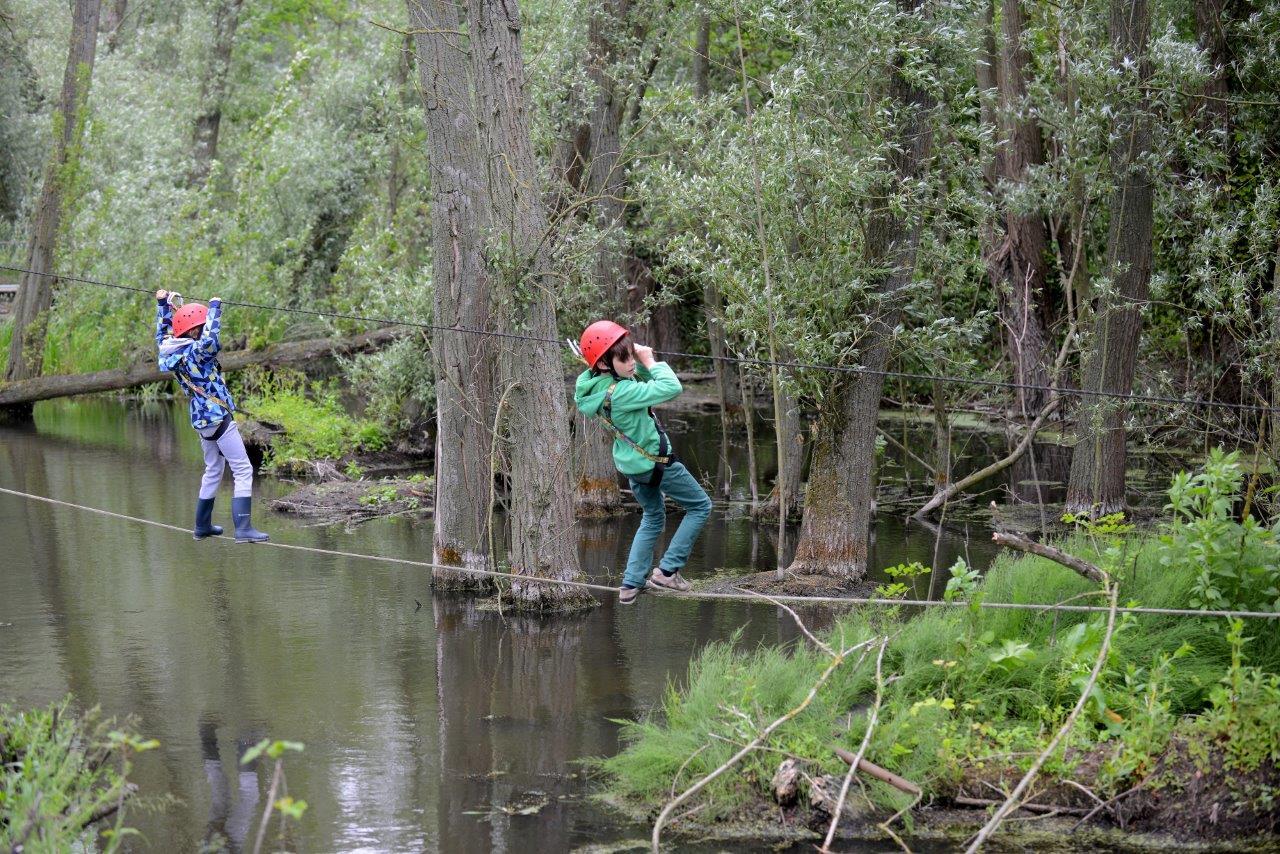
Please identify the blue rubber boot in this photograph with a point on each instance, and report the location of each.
(245, 532)
(204, 520)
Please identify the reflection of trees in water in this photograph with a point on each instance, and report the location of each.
(520, 700)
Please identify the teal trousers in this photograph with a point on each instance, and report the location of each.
(681, 486)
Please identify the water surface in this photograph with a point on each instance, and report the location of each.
(430, 723)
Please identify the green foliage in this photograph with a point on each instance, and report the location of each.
(1244, 710)
(974, 687)
(963, 582)
(59, 771)
(1237, 563)
(314, 421)
(906, 573)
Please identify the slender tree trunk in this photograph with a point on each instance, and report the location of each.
(19, 95)
(1098, 462)
(1275, 368)
(702, 58)
(1211, 34)
(542, 541)
(112, 18)
(597, 486)
(213, 88)
(460, 215)
(792, 446)
(836, 531)
(35, 294)
(727, 389)
(396, 180)
(1016, 260)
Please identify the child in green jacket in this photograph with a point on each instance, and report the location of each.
(621, 384)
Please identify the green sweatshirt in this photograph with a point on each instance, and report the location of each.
(630, 409)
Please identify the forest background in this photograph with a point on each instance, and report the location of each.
(1054, 196)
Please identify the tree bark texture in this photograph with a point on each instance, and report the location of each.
(1098, 461)
(537, 418)
(792, 436)
(460, 215)
(213, 88)
(35, 294)
(597, 486)
(144, 372)
(1015, 252)
(836, 530)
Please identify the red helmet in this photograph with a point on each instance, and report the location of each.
(188, 317)
(598, 338)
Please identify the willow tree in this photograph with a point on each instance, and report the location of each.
(1016, 246)
(35, 293)
(836, 531)
(1098, 461)
(531, 389)
(463, 361)
(213, 87)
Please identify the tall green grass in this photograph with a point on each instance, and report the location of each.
(970, 686)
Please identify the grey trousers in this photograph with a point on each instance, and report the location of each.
(228, 450)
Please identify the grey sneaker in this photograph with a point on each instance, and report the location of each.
(628, 595)
(674, 582)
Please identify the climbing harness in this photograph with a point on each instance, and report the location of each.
(665, 455)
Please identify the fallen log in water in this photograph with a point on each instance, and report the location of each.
(26, 392)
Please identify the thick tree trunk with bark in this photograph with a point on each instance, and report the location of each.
(35, 294)
(836, 531)
(1016, 262)
(213, 88)
(460, 215)
(536, 418)
(1098, 461)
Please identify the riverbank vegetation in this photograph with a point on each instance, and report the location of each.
(1178, 715)
(64, 779)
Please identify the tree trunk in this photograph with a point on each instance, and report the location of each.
(1275, 368)
(213, 88)
(1015, 254)
(144, 372)
(702, 58)
(111, 21)
(597, 486)
(1214, 107)
(541, 517)
(460, 215)
(836, 531)
(396, 179)
(35, 294)
(19, 96)
(792, 436)
(1098, 462)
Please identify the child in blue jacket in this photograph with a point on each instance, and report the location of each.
(188, 343)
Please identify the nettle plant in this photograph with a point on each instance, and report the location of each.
(1237, 562)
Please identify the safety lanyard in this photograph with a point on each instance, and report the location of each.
(663, 457)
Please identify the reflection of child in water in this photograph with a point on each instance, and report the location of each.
(228, 823)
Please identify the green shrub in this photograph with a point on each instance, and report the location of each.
(62, 776)
(1237, 563)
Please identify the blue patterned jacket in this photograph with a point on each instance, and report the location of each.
(195, 363)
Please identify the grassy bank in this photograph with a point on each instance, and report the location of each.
(63, 780)
(971, 696)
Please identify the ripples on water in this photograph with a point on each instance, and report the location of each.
(445, 728)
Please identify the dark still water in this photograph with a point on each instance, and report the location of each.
(442, 727)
